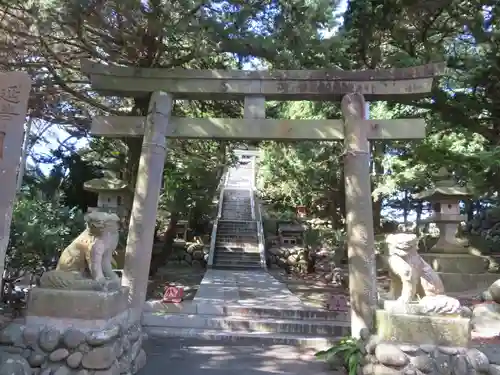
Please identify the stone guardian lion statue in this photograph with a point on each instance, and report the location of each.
(410, 275)
(86, 263)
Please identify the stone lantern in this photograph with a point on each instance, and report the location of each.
(445, 198)
(111, 193)
(462, 268)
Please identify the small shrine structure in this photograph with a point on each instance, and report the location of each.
(290, 234)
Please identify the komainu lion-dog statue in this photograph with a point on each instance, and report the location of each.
(410, 275)
(86, 263)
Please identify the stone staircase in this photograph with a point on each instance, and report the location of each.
(237, 239)
(249, 307)
(238, 300)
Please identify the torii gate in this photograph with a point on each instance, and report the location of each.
(351, 87)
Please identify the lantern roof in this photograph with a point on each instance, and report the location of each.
(445, 187)
(108, 183)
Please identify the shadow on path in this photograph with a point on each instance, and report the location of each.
(177, 356)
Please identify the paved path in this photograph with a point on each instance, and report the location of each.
(176, 356)
(246, 288)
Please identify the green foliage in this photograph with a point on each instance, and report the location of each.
(40, 230)
(346, 351)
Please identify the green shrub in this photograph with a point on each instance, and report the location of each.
(346, 352)
(40, 230)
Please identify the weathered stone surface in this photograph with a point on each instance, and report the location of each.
(74, 360)
(134, 333)
(450, 350)
(428, 348)
(12, 364)
(73, 337)
(76, 304)
(11, 334)
(460, 365)
(49, 339)
(46, 371)
(408, 348)
(418, 329)
(13, 350)
(104, 336)
(59, 354)
(391, 355)
(30, 336)
(100, 358)
(26, 353)
(37, 358)
(83, 372)
(113, 370)
(494, 370)
(378, 369)
(423, 363)
(139, 362)
(84, 347)
(443, 364)
(478, 360)
(62, 370)
(371, 344)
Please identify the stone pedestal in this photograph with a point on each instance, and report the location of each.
(416, 344)
(422, 329)
(460, 272)
(77, 332)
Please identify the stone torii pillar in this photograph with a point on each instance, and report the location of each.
(145, 206)
(359, 213)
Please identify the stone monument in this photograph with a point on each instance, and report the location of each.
(79, 318)
(14, 94)
(460, 267)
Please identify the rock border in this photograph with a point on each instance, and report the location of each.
(48, 351)
(389, 357)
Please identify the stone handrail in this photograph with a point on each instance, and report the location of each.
(217, 218)
(260, 231)
(252, 194)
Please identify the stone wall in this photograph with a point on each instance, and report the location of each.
(382, 357)
(48, 351)
(189, 254)
(292, 258)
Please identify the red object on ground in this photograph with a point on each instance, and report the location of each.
(173, 294)
(301, 211)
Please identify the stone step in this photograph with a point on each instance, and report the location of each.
(236, 249)
(238, 267)
(317, 343)
(235, 237)
(240, 263)
(283, 310)
(222, 255)
(237, 229)
(243, 324)
(247, 246)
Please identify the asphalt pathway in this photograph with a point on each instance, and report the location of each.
(178, 356)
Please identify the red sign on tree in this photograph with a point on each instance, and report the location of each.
(173, 294)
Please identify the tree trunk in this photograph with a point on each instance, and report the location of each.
(419, 217)
(406, 211)
(158, 260)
